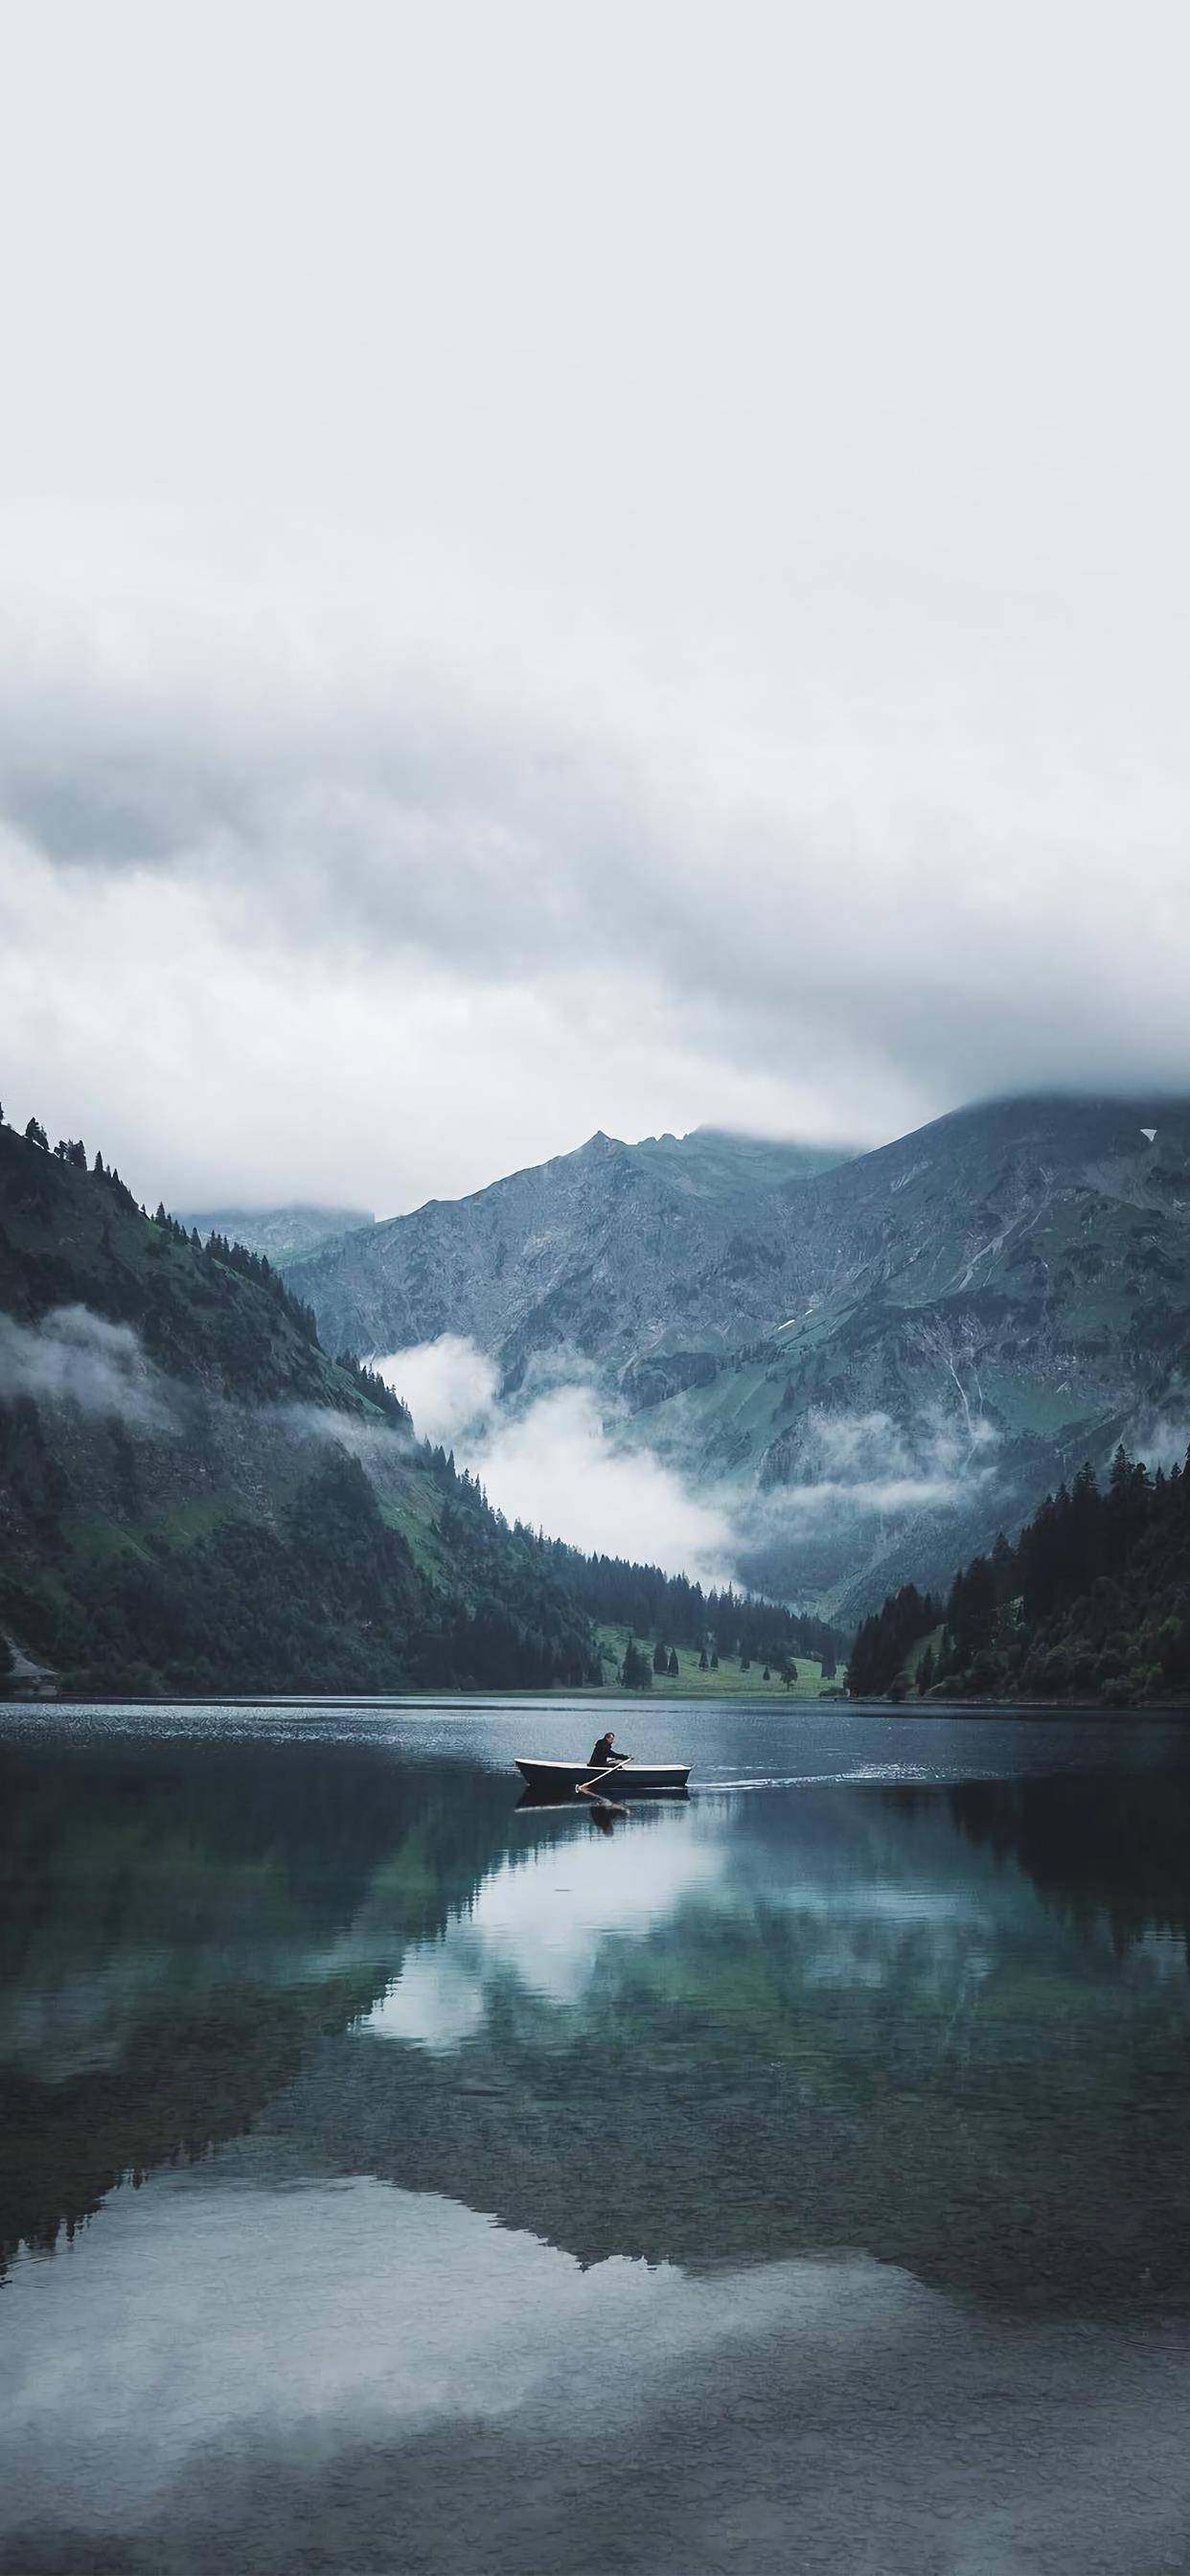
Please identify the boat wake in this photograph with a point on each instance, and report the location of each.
(894, 1771)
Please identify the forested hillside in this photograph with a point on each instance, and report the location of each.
(194, 1496)
(1092, 1602)
(677, 1612)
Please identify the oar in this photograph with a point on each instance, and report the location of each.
(587, 1788)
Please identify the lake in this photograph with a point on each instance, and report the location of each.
(396, 2179)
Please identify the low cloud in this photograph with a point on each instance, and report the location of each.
(554, 1455)
(863, 1466)
(1161, 1442)
(75, 1357)
(450, 1386)
(558, 1464)
(551, 1457)
(364, 1436)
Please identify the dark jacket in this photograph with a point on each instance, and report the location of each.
(604, 1752)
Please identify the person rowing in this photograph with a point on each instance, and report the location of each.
(605, 1753)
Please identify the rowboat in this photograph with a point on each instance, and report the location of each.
(624, 1780)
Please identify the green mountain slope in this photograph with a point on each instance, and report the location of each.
(70, 1237)
(194, 1496)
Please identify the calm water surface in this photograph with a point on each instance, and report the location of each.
(395, 2179)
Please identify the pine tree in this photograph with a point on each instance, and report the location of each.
(673, 1667)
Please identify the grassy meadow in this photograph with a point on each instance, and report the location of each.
(691, 1683)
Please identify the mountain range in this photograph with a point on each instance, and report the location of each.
(587, 1252)
(877, 1359)
(195, 1496)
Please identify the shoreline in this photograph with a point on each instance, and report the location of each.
(891, 1709)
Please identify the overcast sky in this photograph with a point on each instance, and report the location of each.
(581, 566)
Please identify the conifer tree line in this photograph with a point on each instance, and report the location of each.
(223, 1250)
(678, 1612)
(597, 1586)
(217, 1247)
(250, 1265)
(884, 1639)
(638, 1667)
(370, 1383)
(72, 1151)
(1093, 1601)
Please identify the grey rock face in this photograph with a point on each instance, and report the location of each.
(892, 1355)
(596, 1251)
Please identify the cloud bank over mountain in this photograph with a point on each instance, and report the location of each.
(398, 982)
(491, 652)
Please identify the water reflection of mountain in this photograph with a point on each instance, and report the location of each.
(856, 2031)
(179, 1922)
(1102, 1846)
(947, 2027)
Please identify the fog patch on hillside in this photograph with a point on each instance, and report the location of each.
(73, 1356)
(76, 1357)
(868, 1466)
(551, 1456)
(555, 1455)
(1162, 1441)
(450, 1386)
